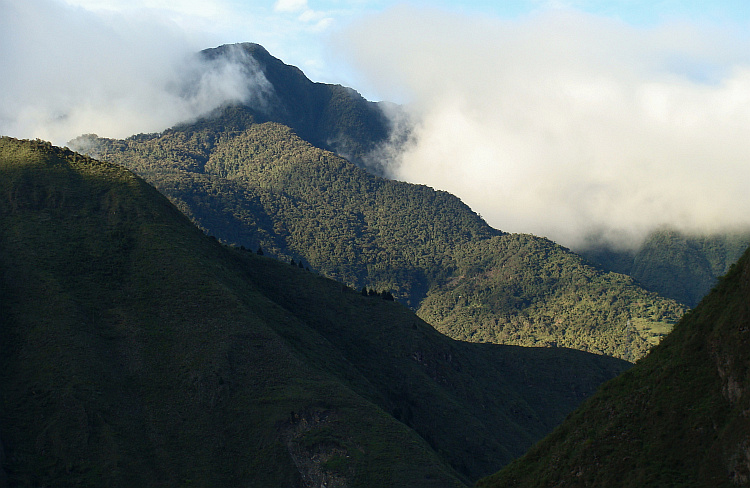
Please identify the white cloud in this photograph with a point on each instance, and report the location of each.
(68, 71)
(291, 6)
(564, 123)
(312, 20)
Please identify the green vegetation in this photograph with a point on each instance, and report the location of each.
(677, 418)
(266, 187)
(263, 186)
(674, 264)
(136, 351)
(524, 290)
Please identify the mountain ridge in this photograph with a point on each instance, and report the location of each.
(137, 350)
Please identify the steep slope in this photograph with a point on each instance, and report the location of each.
(265, 187)
(677, 418)
(675, 264)
(136, 351)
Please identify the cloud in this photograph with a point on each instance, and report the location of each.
(290, 6)
(567, 124)
(313, 20)
(68, 71)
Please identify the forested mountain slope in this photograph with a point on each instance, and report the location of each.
(674, 264)
(136, 351)
(677, 418)
(526, 290)
(265, 187)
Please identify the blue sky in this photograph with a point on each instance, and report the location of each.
(561, 118)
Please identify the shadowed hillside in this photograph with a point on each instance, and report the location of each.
(136, 351)
(677, 418)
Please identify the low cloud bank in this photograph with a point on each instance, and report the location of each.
(67, 71)
(568, 125)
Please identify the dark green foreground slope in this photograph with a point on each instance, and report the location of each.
(677, 418)
(136, 351)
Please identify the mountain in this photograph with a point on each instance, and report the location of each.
(677, 418)
(675, 264)
(263, 186)
(137, 351)
(671, 263)
(328, 116)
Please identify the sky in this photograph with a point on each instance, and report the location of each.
(575, 120)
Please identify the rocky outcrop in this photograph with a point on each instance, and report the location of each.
(321, 462)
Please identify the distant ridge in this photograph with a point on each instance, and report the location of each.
(675, 264)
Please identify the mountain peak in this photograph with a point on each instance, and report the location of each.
(258, 52)
(328, 116)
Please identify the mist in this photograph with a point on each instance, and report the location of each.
(67, 71)
(565, 124)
